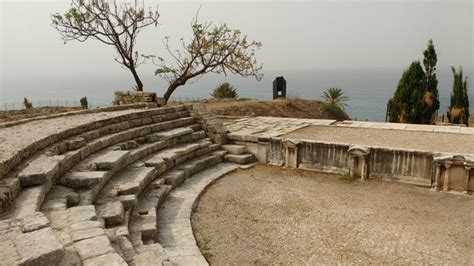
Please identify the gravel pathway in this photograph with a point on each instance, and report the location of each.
(269, 215)
(431, 141)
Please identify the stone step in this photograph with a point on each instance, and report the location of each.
(234, 149)
(109, 160)
(180, 122)
(198, 164)
(40, 170)
(169, 134)
(143, 217)
(166, 158)
(60, 198)
(111, 212)
(85, 179)
(240, 158)
(134, 180)
(174, 177)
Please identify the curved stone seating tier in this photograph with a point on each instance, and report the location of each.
(50, 162)
(92, 194)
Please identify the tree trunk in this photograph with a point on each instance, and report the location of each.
(137, 79)
(169, 91)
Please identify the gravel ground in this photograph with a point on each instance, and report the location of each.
(270, 215)
(431, 141)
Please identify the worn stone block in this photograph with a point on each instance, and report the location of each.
(234, 149)
(82, 179)
(40, 170)
(93, 247)
(109, 160)
(111, 212)
(40, 247)
(34, 222)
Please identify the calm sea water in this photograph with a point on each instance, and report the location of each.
(368, 90)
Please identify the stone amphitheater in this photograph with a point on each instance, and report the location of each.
(117, 186)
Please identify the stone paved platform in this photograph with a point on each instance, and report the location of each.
(453, 139)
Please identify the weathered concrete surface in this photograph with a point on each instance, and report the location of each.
(175, 233)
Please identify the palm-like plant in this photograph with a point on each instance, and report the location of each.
(335, 96)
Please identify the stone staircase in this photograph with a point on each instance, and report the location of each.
(95, 196)
(238, 154)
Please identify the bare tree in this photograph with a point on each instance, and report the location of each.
(111, 23)
(216, 49)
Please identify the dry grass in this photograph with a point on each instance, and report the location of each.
(294, 107)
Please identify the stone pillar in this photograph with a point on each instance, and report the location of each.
(362, 153)
(468, 175)
(446, 177)
(291, 154)
(437, 176)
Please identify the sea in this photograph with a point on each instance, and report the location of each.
(368, 89)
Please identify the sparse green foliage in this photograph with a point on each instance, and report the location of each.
(225, 91)
(416, 98)
(348, 177)
(335, 96)
(215, 49)
(335, 111)
(112, 23)
(84, 103)
(458, 111)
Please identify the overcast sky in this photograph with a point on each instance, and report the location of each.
(295, 35)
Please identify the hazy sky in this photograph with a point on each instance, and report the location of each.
(295, 35)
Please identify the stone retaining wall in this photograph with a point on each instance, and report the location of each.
(214, 127)
(436, 170)
(131, 97)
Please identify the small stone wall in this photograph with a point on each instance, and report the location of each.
(130, 97)
(214, 127)
(435, 170)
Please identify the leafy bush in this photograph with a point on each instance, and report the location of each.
(225, 91)
(334, 110)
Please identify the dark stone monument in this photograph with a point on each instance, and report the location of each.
(279, 88)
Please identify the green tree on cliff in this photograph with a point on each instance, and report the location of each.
(458, 111)
(416, 99)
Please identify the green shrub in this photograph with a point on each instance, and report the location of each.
(348, 177)
(225, 91)
(334, 111)
(458, 111)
